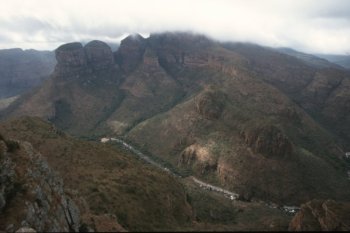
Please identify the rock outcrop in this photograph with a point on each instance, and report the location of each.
(73, 57)
(320, 215)
(130, 52)
(70, 58)
(99, 55)
(198, 156)
(210, 104)
(31, 194)
(268, 140)
(177, 50)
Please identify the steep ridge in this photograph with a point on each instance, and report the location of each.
(323, 92)
(148, 91)
(253, 156)
(32, 194)
(248, 118)
(85, 81)
(235, 113)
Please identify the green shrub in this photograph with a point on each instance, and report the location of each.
(12, 145)
(122, 218)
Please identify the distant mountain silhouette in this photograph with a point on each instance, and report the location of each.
(21, 70)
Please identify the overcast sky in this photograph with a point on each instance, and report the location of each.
(315, 26)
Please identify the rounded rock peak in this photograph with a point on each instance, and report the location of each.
(133, 38)
(97, 44)
(130, 52)
(70, 46)
(99, 55)
(70, 55)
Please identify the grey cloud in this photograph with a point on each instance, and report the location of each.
(330, 9)
(25, 24)
(309, 25)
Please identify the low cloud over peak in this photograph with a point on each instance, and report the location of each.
(315, 26)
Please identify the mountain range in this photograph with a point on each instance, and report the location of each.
(342, 60)
(269, 124)
(22, 70)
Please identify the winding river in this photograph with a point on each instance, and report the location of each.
(228, 194)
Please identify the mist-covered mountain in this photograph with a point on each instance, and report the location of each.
(342, 60)
(21, 70)
(198, 95)
(319, 60)
(312, 60)
(268, 125)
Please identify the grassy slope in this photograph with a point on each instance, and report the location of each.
(107, 181)
(110, 180)
(322, 92)
(250, 104)
(213, 212)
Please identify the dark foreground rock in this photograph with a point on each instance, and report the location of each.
(319, 215)
(31, 194)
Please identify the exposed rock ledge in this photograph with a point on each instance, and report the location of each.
(319, 215)
(73, 58)
(31, 194)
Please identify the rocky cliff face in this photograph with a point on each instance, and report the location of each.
(210, 104)
(99, 55)
(73, 57)
(130, 52)
(31, 194)
(269, 141)
(107, 183)
(321, 215)
(70, 58)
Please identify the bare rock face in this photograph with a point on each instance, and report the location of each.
(198, 156)
(268, 140)
(99, 55)
(73, 58)
(130, 52)
(320, 215)
(210, 104)
(70, 58)
(31, 194)
(176, 50)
